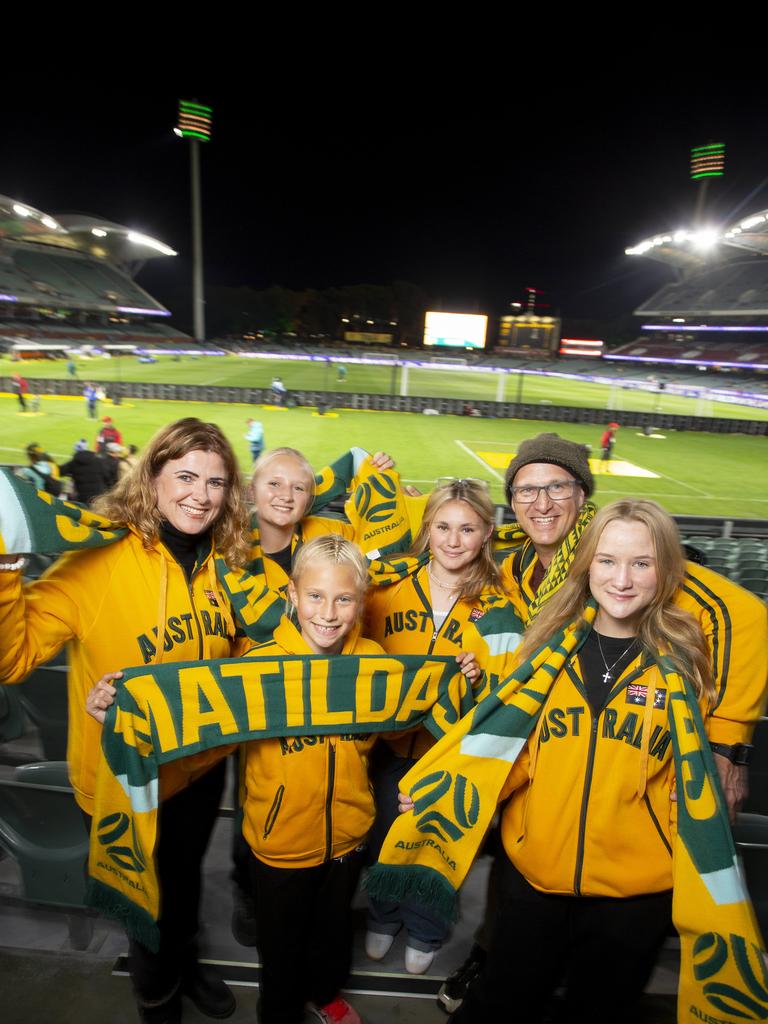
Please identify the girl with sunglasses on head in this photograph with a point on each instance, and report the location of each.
(452, 585)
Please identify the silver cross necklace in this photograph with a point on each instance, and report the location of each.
(608, 676)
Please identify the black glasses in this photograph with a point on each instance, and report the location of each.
(558, 490)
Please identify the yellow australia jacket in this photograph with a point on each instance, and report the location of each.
(735, 624)
(109, 604)
(590, 812)
(308, 798)
(400, 618)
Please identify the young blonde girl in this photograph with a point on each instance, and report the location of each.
(308, 805)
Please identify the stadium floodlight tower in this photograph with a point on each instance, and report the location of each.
(195, 126)
(706, 162)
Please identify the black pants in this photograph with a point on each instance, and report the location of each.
(603, 948)
(305, 934)
(185, 824)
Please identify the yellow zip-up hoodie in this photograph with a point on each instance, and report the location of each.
(308, 798)
(109, 604)
(590, 812)
(400, 618)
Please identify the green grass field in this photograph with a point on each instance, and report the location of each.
(697, 474)
(236, 371)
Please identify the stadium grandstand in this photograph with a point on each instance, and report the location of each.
(714, 315)
(67, 281)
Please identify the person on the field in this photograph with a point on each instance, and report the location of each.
(548, 484)
(21, 386)
(91, 396)
(279, 390)
(255, 438)
(109, 434)
(607, 442)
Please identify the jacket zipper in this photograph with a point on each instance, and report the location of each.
(197, 623)
(436, 632)
(329, 799)
(274, 810)
(585, 805)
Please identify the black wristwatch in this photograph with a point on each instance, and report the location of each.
(738, 753)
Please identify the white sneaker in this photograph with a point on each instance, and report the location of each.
(417, 961)
(377, 945)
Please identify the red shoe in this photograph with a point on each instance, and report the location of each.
(337, 1012)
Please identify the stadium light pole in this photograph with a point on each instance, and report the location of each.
(706, 162)
(195, 126)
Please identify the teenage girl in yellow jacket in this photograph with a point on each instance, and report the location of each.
(434, 610)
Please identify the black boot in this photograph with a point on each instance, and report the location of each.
(203, 984)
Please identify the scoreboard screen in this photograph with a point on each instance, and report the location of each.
(455, 330)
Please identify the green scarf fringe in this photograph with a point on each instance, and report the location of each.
(400, 882)
(140, 925)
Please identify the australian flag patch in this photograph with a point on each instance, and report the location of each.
(475, 614)
(211, 597)
(637, 694)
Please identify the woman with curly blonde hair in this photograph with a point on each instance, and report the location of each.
(149, 597)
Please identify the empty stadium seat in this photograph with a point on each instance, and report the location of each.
(11, 714)
(757, 801)
(43, 829)
(750, 833)
(43, 695)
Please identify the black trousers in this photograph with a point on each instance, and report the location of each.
(185, 824)
(305, 934)
(604, 949)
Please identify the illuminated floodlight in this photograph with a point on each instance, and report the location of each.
(99, 232)
(140, 309)
(49, 223)
(681, 235)
(752, 222)
(708, 161)
(177, 131)
(705, 239)
(22, 211)
(151, 243)
(455, 330)
(194, 121)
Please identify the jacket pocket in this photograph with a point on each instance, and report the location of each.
(274, 810)
(656, 824)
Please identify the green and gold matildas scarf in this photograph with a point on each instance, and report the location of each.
(196, 710)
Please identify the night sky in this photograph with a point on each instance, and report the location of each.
(467, 196)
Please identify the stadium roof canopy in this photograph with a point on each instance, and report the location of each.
(689, 249)
(98, 237)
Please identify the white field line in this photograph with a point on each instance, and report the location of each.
(477, 458)
(682, 483)
(657, 494)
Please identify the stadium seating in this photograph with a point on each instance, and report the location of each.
(74, 279)
(741, 285)
(11, 714)
(43, 829)
(43, 696)
(750, 834)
